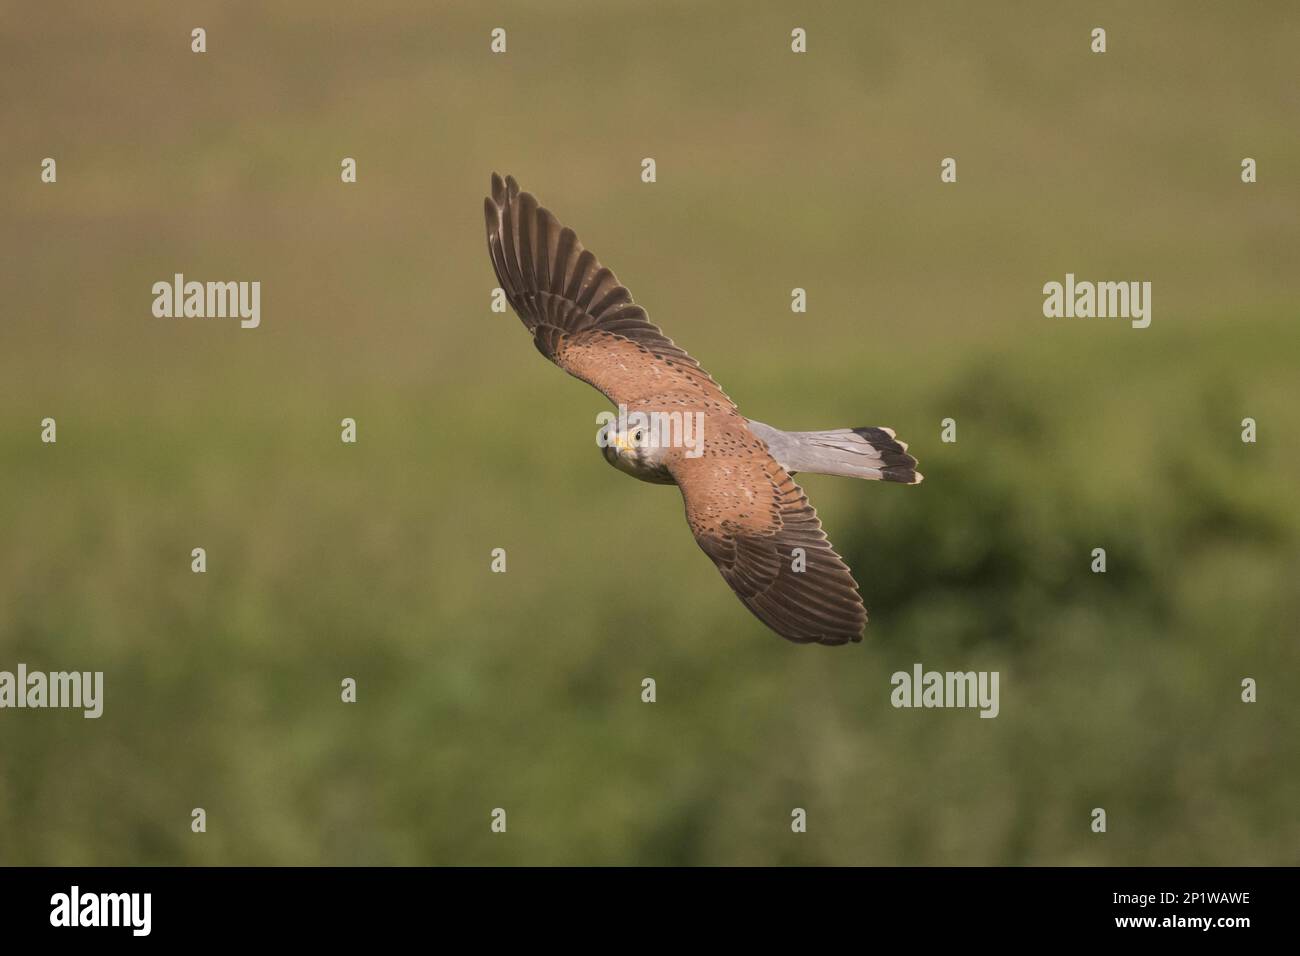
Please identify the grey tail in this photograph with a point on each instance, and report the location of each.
(871, 453)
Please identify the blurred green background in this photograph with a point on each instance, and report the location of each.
(522, 690)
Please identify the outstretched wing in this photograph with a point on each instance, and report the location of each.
(749, 516)
(581, 318)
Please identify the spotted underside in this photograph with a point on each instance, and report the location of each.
(746, 512)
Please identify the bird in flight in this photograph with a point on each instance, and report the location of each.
(737, 481)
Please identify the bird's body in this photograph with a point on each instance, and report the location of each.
(742, 503)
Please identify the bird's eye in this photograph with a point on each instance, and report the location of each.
(636, 436)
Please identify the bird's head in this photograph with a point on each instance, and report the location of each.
(632, 451)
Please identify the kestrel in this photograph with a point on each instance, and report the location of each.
(742, 503)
